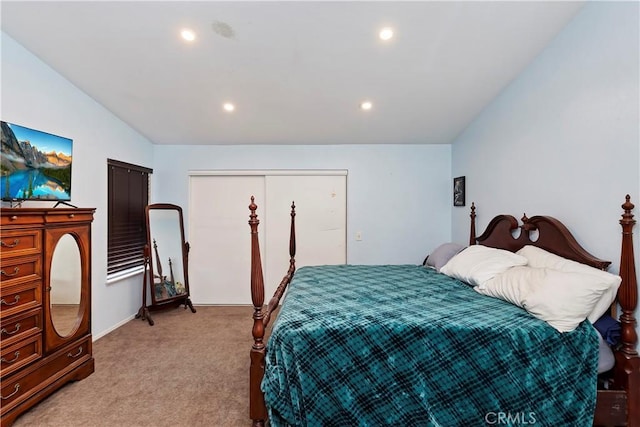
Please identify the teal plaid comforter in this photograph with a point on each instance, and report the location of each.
(402, 345)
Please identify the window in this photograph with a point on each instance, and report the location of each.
(128, 189)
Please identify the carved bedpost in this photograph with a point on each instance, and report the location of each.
(292, 238)
(472, 232)
(628, 293)
(627, 359)
(262, 316)
(277, 296)
(257, 409)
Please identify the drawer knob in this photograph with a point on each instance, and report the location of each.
(14, 217)
(72, 215)
(9, 245)
(15, 272)
(16, 355)
(16, 388)
(15, 330)
(15, 298)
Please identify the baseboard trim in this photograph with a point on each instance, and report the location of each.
(96, 337)
(221, 305)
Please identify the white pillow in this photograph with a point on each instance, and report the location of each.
(540, 258)
(562, 299)
(477, 264)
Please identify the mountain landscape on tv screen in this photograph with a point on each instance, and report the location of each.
(29, 172)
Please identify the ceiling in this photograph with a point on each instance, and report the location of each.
(297, 71)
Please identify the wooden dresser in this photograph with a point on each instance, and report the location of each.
(45, 257)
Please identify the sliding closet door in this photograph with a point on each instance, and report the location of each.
(321, 221)
(219, 234)
(220, 255)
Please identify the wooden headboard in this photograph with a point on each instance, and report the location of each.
(542, 231)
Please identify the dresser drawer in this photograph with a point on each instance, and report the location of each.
(20, 298)
(20, 354)
(20, 242)
(68, 216)
(20, 326)
(21, 218)
(20, 270)
(24, 384)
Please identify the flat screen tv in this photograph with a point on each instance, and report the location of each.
(34, 165)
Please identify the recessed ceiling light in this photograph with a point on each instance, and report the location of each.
(386, 33)
(188, 35)
(229, 107)
(366, 105)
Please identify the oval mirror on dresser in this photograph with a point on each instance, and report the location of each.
(65, 282)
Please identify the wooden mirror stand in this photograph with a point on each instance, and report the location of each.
(166, 249)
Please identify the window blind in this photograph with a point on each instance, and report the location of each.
(128, 188)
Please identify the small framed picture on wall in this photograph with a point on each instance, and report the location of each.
(458, 191)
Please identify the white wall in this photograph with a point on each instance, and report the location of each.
(36, 96)
(398, 196)
(563, 139)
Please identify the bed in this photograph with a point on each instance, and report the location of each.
(385, 345)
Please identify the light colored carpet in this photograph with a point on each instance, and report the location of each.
(186, 370)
